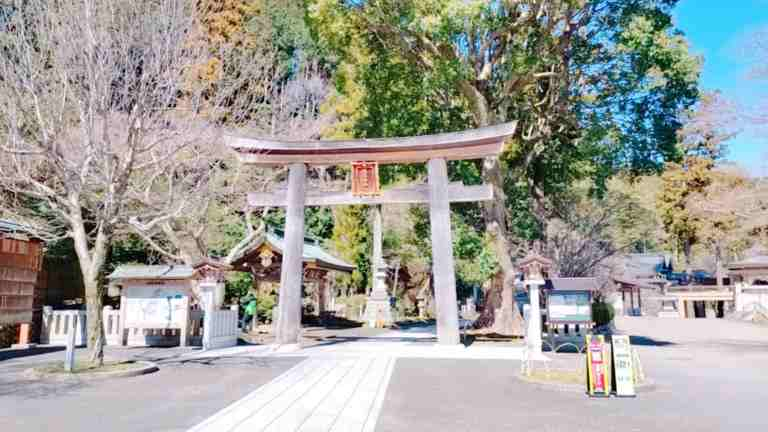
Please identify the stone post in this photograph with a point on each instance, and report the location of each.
(533, 333)
(442, 253)
(184, 330)
(737, 306)
(209, 300)
(288, 325)
(69, 357)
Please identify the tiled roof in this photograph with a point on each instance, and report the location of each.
(137, 271)
(8, 226)
(572, 284)
(757, 261)
(642, 265)
(312, 252)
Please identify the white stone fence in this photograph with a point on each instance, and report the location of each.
(58, 323)
(749, 298)
(223, 330)
(111, 323)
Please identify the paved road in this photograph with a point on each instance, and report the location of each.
(711, 376)
(179, 396)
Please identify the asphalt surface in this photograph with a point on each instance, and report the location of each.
(710, 376)
(180, 395)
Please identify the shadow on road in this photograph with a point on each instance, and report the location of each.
(646, 341)
(26, 352)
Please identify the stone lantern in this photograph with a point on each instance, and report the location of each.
(535, 270)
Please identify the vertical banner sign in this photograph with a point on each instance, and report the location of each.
(597, 367)
(623, 368)
(365, 178)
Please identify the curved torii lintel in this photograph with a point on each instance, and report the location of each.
(468, 144)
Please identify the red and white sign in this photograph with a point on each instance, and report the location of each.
(597, 363)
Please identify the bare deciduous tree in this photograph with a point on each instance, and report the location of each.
(96, 97)
(184, 206)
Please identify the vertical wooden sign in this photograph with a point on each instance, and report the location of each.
(622, 366)
(365, 178)
(598, 379)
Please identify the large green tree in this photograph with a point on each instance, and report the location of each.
(593, 86)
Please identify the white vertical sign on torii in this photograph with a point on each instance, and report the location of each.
(438, 193)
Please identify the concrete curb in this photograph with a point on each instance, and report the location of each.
(644, 387)
(145, 368)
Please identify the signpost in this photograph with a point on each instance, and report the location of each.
(598, 378)
(569, 307)
(623, 367)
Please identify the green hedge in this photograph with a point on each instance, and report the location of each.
(602, 313)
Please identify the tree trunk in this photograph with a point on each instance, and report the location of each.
(719, 265)
(94, 294)
(500, 313)
(92, 260)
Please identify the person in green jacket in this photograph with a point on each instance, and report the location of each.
(248, 313)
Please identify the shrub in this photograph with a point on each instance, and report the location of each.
(602, 313)
(264, 305)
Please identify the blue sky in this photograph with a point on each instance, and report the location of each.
(717, 30)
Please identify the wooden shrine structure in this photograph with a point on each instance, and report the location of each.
(364, 157)
(21, 260)
(264, 261)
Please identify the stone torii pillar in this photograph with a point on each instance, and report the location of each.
(442, 253)
(288, 327)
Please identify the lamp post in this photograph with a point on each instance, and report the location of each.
(535, 269)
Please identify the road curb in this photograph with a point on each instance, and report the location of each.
(145, 368)
(644, 387)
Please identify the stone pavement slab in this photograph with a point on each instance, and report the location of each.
(319, 394)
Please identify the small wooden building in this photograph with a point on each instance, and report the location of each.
(20, 263)
(264, 260)
(160, 304)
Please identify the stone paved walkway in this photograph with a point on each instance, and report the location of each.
(319, 394)
(339, 387)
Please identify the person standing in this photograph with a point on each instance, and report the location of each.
(248, 313)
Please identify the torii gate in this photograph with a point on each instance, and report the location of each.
(434, 150)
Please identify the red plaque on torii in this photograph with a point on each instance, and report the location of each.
(365, 178)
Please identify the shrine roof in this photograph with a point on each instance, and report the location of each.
(758, 262)
(469, 144)
(572, 284)
(313, 253)
(8, 226)
(628, 281)
(163, 272)
(17, 231)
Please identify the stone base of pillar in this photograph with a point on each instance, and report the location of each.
(378, 312)
(378, 308)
